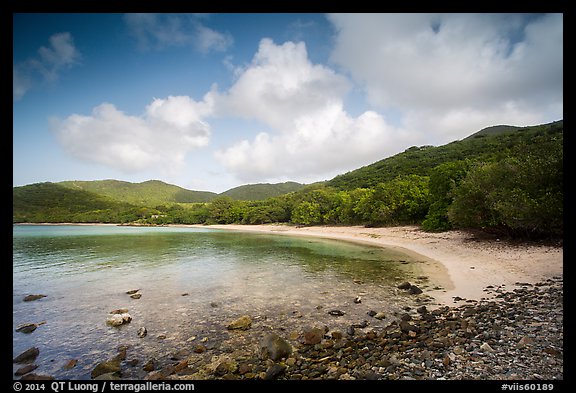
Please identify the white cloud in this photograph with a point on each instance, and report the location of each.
(160, 139)
(302, 103)
(46, 66)
(158, 31)
(433, 66)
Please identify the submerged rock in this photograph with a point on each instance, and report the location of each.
(27, 356)
(106, 367)
(29, 298)
(26, 369)
(242, 323)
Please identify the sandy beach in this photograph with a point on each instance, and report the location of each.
(465, 264)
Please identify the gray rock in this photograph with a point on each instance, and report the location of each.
(274, 347)
(26, 328)
(274, 371)
(404, 285)
(142, 332)
(26, 369)
(106, 367)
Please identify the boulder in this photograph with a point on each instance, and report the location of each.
(404, 285)
(27, 356)
(242, 323)
(414, 290)
(274, 347)
(26, 369)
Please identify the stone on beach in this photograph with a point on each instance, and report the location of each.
(118, 319)
(274, 347)
(242, 323)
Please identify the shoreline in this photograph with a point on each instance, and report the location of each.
(461, 263)
(465, 265)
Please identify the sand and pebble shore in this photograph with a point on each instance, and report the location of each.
(499, 315)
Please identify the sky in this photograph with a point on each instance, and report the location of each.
(213, 101)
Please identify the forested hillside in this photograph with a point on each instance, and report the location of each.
(503, 179)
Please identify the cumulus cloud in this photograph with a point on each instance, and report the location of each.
(50, 61)
(302, 103)
(158, 31)
(434, 66)
(159, 139)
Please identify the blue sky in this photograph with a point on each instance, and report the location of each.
(213, 101)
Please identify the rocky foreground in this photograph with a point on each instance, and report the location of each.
(510, 335)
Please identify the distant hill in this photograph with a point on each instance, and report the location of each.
(149, 193)
(256, 192)
(51, 202)
(420, 160)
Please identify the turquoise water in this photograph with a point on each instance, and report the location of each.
(193, 282)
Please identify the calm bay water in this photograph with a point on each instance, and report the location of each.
(193, 282)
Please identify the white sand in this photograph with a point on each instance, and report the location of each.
(462, 265)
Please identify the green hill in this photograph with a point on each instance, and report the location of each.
(258, 192)
(148, 193)
(486, 144)
(51, 202)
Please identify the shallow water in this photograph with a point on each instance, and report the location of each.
(193, 282)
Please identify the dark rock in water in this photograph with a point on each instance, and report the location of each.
(274, 371)
(274, 347)
(26, 369)
(26, 328)
(142, 332)
(27, 356)
(29, 298)
(358, 300)
(242, 323)
(36, 377)
(106, 367)
(404, 285)
(132, 291)
(371, 313)
(414, 290)
(336, 313)
(405, 317)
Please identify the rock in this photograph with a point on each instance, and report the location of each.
(380, 315)
(485, 347)
(132, 291)
(107, 377)
(136, 296)
(358, 300)
(106, 367)
(27, 356)
(118, 319)
(360, 325)
(274, 347)
(404, 285)
(274, 371)
(406, 326)
(150, 365)
(26, 369)
(225, 367)
(142, 332)
(524, 341)
(36, 377)
(371, 313)
(26, 328)
(414, 290)
(70, 364)
(185, 294)
(29, 298)
(242, 323)
(422, 310)
(336, 313)
(313, 336)
(199, 348)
